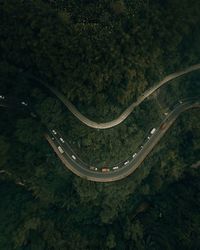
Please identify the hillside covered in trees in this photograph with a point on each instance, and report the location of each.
(101, 55)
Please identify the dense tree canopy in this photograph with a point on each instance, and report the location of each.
(102, 55)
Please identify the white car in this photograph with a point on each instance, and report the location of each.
(180, 102)
(74, 157)
(24, 103)
(54, 132)
(114, 168)
(148, 137)
(153, 131)
(165, 113)
(141, 147)
(60, 149)
(53, 138)
(61, 139)
(134, 155)
(2, 97)
(126, 162)
(93, 168)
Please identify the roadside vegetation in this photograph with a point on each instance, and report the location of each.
(102, 55)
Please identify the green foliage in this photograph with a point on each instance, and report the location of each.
(4, 148)
(101, 55)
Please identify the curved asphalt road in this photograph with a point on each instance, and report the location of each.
(128, 111)
(81, 169)
(3, 105)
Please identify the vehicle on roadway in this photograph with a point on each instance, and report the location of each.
(93, 168)
(163, 126)
(148, 137)
(74, 157)
(114, 168)
(60, 150)
(33, 115)
(126, 162)
(61, 139)
(180, 102)
(134, 155)
(141, 147)
(2, 97)
(105, 169)
(24, 103)
(153, 131)
(54, 132)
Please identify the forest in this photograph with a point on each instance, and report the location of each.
(101, 55)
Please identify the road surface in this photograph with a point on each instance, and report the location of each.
(128, 111)
(3, 105)
(83, 170)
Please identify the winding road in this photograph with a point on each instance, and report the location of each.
(3, 105)
(123, 169)
(127, 111)
(78, 167)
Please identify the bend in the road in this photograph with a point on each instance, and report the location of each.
(127, 111)
(122, 172)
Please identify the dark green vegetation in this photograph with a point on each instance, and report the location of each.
(102, 55)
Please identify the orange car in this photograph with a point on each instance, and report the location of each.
(163, 126)
(105, 169)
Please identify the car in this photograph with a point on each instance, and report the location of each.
(141, 147)
(153, 131)
(180, 102)
(148, 137)
(60, 149)
(165, 113)
(126, 162)
(105, 169)
(134, 155)
(2, 97)
(33, 114)
(74, 157)
(61, 139)
(54, 132)
(53, 138)
(93, 168)
(163, 125)
(114, 168)
(24, 103)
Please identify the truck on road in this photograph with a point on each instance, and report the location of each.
(60, 150)
(126, 162)
(153, 131)
(134, 155)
